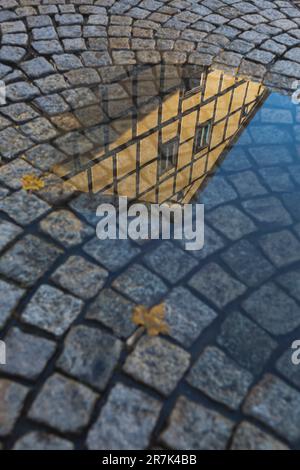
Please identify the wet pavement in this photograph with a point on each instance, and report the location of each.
(112, 98)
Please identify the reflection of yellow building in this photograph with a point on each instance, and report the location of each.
(165, 154)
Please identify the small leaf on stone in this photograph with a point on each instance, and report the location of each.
(152, 319)
(31, 182)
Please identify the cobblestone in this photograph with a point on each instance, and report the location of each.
(281, 247)
(273, 309)
(52, 310)
(247, 263)
(217, 285)
(276, 404)
(157, 363)
(118, 425)
(249, 437)
(42, 441)
(114, 311)
(187, 324)
(27, 355)
(113, 254)
(23, 207)
(247, 344)
(192, 427)
(170, 262)
(220, 378)
(8, 232)
(28, 259)
(12, 400)
(140, 285)
(63, 404)
(9, 298)
(90, 355)
(231, 222)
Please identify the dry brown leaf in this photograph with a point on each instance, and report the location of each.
(152, 319)
(31, 182)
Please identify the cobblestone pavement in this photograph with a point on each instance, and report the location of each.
(222, 378)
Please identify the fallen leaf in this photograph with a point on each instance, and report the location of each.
(152, 319)
(31, 182)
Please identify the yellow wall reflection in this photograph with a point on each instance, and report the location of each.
(163, 155)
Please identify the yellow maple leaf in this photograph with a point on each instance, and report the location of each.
(31, 182)
(152, 319)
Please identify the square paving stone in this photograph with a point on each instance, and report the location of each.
(56, 190)
(37, 67)
(40, 440)
(291, 282)
(157, 363)
(268, 211)
(86, 205)
(90, 355)
(9, 298)
(38, 21)
(277, 405)
(79, 97)
(19, 112)
(193, 427)
(51, 84)
(45, 157)
(63, 404)
(249, 345)
(170, 262)
(23, 207)
(285, 367)
(126, 421)
(273, 309)
(80, 277)
(12, 397)
(291, 201)
(45, 47)
(12, 142)
(249, 265)
(247, 184)
(114, 311)
(66, 228)
(140, 285)
(12, 173)
(277, 179)
(113, 254)
(267, 155)
(186, 316)
(65, 62)
(282, 248)
(26, 355)
(220, 378)
(51, 105)
(21, 91)
(271, 134)
(28, 259)
(39, 130)
(249, 437)
(74, 143)
(212, 243)
(8, 232)
(231, 222)
(47, 32)
(12, 54)
(52, 310)
(217, 285)
(218, 191)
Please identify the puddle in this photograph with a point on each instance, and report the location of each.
(194, 135)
